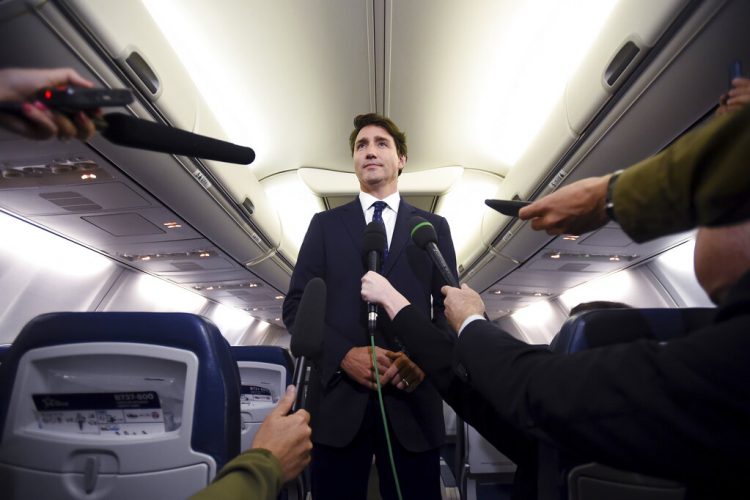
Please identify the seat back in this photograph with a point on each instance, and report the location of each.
(613, 326)
(116, 405)
(265, 371)
(606, 327)
(485, 468)
(3, 351)
(595, 481)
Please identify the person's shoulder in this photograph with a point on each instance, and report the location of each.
(341, 209)
(412, 211)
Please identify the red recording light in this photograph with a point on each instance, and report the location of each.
(48, 94)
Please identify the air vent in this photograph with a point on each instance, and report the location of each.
(187, 266)
(124, 224)
(71, 201)
(572, 267)
(242, 295)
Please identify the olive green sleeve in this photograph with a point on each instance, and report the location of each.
(702, 179)
(253, 475)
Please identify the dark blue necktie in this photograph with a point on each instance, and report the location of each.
(377, 216)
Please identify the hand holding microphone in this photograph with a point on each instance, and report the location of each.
(40, 104)
(307, 334)
(25, 112)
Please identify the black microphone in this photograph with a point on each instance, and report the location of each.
(307, 333)
(134, 132)
(373, 244)
(424, 236)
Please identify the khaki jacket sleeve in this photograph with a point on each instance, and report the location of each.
(702, 179)
(253, 475)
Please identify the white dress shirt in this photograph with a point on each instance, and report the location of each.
(389, 213)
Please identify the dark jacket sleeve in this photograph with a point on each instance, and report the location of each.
(252, 475)
(432, 349)
(702, 179)
(676, 409)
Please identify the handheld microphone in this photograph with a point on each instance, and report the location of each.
(307, 334)
(424, 236)
(134, 132)
(373, 244)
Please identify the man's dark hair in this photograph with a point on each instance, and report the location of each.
(362, 121)
(597, 304)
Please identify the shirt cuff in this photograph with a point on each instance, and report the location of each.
(468, 320)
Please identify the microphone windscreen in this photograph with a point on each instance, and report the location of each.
(307, 332)
(375, 238)
(134, 132)
(422, 232)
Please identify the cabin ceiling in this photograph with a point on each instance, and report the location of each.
(297, 72)
(286, 78)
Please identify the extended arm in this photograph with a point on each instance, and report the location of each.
(701, 179)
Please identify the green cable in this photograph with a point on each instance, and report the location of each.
(385, 422)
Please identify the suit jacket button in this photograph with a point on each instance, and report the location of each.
(460, 370)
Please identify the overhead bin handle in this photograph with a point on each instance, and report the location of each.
(143, 71)
(620, 62)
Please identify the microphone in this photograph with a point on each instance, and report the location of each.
(373, 244)
(307, 334)
(424, 236)
(134, 132)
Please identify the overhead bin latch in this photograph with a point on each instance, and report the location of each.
(620, 62)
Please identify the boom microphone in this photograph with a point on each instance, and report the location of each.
(307, 333)
(424, 236)
(373, 244)
(134, 132)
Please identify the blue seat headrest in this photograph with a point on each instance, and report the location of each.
(216, 420)
(266, 354)
(612, 326)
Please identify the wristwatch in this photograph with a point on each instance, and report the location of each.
(609, 205)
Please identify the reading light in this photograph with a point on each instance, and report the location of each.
(230, 286)
(590, 257)
(170, 256)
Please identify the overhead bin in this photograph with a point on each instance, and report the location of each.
(224, 202)
(650, 112)
(624, 41)
(568, 141)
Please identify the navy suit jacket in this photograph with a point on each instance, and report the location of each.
(332, 250)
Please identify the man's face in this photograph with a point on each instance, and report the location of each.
(376, 160)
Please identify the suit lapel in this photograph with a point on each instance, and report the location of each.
(401, 235)
(354, 223)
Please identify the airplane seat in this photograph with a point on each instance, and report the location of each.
(594, 481)
(613, 326)
(116, 405)
(606, 327)
(487, 473)
(3, 351)
(265, 372)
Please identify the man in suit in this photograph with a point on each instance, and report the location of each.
(676, 409)
(346, 421)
